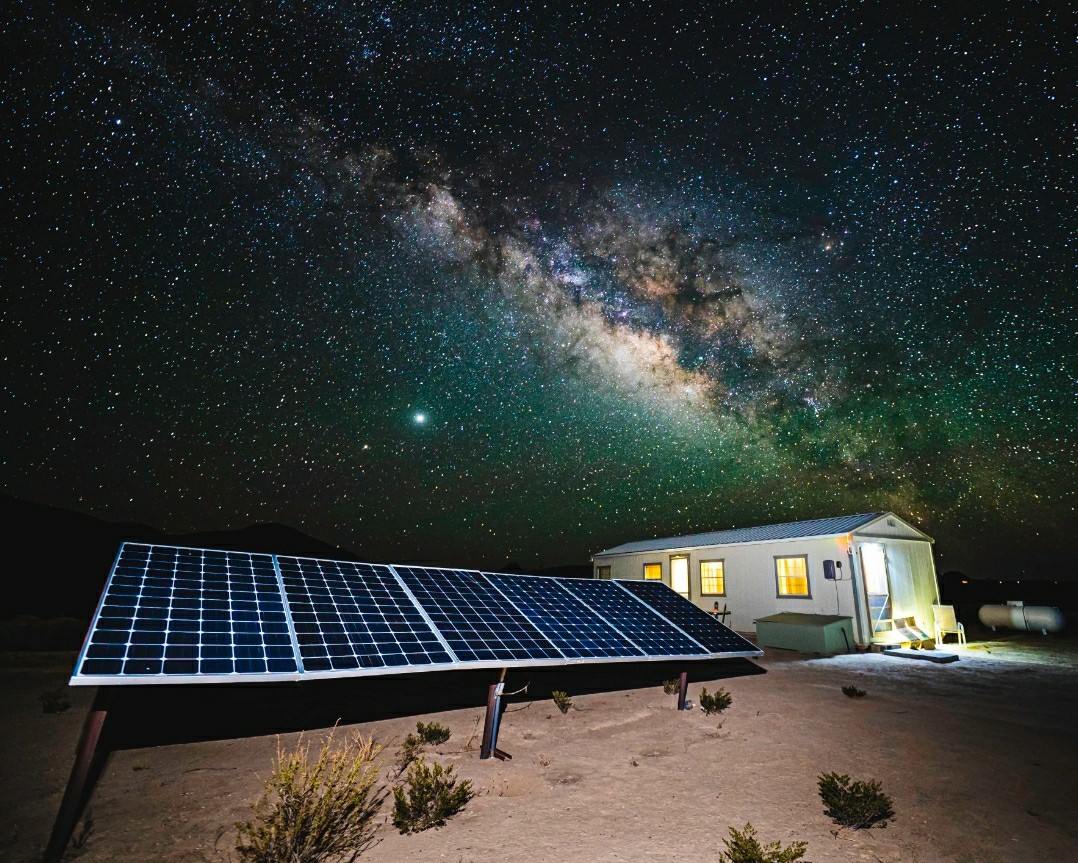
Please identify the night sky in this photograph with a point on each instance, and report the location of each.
(523, 281)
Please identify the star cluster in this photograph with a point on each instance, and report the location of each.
(521, 281)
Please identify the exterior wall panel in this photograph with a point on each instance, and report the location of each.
(752, 590)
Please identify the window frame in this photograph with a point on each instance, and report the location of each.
(659, 564)
(721, 560)
(778, 583)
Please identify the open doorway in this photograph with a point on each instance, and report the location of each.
(877, 588)
(679, 575)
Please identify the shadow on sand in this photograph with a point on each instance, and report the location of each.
(141, 716)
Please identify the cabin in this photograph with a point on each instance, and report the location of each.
(874, 568)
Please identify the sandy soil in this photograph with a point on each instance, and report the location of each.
(979, 757)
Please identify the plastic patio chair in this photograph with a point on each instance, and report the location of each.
(946, 623)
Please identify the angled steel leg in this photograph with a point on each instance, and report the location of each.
(493, 721)
(683, 692)
(87, 759)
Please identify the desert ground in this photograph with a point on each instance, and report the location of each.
(979, 757)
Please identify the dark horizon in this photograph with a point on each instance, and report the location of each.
(513, 283)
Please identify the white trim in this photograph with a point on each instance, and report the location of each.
(385, 671)
(288, 613)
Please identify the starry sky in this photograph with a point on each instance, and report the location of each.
(472, 284)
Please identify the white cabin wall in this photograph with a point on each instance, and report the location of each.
(751, 584)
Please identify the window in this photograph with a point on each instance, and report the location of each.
(712, 578)
(792, 575)
(653, 571)
(602, 572)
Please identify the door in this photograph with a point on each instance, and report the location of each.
(877, 588)
(679, 575)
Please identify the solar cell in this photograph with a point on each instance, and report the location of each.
(712, 634)
(652, 633)
(183, 611)
(474, 619)
(576, 630)
(355, 615)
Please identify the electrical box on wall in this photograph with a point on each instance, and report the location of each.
(829, 570)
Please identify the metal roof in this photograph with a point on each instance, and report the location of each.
(764, 533)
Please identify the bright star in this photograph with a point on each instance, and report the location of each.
(420, 419)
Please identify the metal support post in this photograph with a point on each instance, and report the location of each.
(493, 721)
(683, 692)
(88, 760)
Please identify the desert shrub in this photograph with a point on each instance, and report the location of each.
(54, 700)
(672, 687)
(428, 797)
(432, 732)
(715, 703)
(313, 811)
(855, 804)
(562, 700)
(409, 751)
(743, 847)
(853, 692)
(426, 733)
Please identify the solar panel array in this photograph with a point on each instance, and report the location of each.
(173, 615)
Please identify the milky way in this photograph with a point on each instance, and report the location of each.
(640, 272)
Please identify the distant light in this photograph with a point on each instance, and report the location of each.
(420, 419)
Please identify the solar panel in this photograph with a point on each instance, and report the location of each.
(690, 618)
(355, 615)
(473, 618)
(175, 615)
(189, 612)
(576, 630)
(655, 635)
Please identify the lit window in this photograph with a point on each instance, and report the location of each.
(792, 574)
(602, 572)
(712, 578)
(653, 571)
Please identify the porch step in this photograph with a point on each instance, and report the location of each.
(927, 655)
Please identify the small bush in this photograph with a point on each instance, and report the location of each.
(428, 797)
(715, 703)
(315, 811)
(853, 692)
(743, 847)
(854, 804)
(672, 687)
(432, 733)
(54, 701)
(409, 751)
(562, 700)
(426, 733)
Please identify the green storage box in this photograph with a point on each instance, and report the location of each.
(810, 633)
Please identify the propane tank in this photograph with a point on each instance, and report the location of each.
(1026, 618)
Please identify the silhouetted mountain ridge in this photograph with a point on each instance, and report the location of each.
(56, 560)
